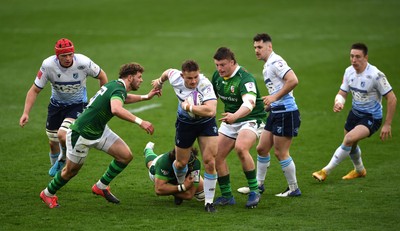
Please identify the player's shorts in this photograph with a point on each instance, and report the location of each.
(232, 130)
(360, 118)
(56, 114)
(284, 123)
(78, 146)
(186, 134)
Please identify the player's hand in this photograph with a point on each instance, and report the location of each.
(386, 132)
(268, 100)
(337, 107)
(147, 126)
(189, 181)
(23, 120)
(156, 83)
(154, 92)
(228, 118)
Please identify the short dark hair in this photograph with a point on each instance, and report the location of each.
(130, 69)
(264, 37)
(224, 53)
(189, 66)
(360, 46)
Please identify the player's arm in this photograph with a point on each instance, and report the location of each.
(118, 110)
(31, 96)
(291, 82)
(207, 109)
(157, 83)
(132, 98)
(249, 102)
(386, 130)
(340, 100)
(163, 188)
(102, 77)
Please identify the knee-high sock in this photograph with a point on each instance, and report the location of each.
(252, 180)
(113, 170)
(289, 170)
(262, 168)
(340, 154)
(355, 156)
(55, 184)
(210, 181)
(225, 186)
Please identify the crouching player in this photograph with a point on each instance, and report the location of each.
(163, 176)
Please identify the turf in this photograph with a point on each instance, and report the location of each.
(313, 36)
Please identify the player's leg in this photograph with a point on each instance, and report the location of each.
(263, 157)
(61, 134)
(112, 144)
(225, 145)
(184, 139)
(149, 154)
(209, 147)
(75, 160)
(53, 122)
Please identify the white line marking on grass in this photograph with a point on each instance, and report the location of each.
(145, 108)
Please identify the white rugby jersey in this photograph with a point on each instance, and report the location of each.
(204, 86)
(68, 85)
(274, 70)
(367, 89)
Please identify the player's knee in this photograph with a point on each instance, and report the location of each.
(52, 135)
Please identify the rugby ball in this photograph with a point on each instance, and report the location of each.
(194, 98)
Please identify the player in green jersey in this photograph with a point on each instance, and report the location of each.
(162, 174)
(90, 130)
(242, 123)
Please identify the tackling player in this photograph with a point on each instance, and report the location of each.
(367, 84)
(162, 174)
(203, 127)
(67, 73)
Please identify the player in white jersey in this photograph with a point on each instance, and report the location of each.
(367, 85)
(67, 73)
(283, 121)
(202, 127)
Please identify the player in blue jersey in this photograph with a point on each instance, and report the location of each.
(202, 127)
(67, 73)
(283, 121)
(367, 85)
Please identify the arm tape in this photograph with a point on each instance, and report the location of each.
(247, 99)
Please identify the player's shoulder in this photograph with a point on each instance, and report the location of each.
(245, 75)
(50, 61)
(82, 59)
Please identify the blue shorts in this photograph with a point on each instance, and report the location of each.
(284, 123)
(359, 118)
(56, 114)
(186, 133)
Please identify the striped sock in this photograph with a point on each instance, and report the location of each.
(252, 180)
(56, 183)
(225, 186)
(113, 170)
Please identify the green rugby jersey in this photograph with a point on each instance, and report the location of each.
(91, 123)
(230, 91)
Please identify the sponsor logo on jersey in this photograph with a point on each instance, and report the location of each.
(232, 89)
(164, 172)
(81, 67)
(58, 75)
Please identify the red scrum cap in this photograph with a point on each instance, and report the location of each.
(64, 46)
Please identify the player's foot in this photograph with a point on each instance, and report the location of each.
(149, 145)
(105, 193)
(49, 201)
(320, 175)
(210, 208)
(354, 174)
(246, 190)
(224, 201)
(177, 200)
(57, 166)
(253, 200)
(289, 193)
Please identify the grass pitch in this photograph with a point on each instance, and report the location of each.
(313, 36)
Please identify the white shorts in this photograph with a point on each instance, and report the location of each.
(232, 130)
(79, 151)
